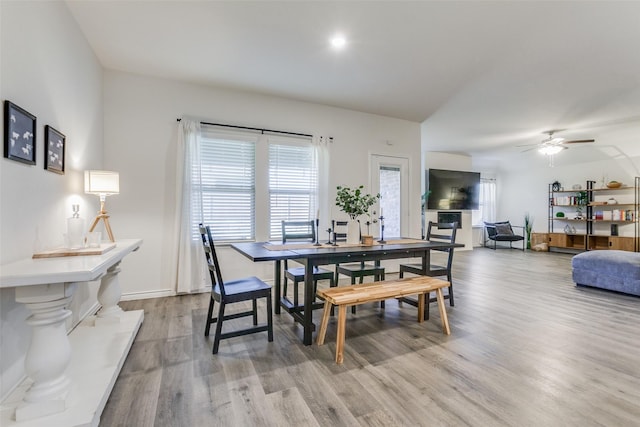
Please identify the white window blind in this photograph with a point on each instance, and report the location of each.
(293, 183)
(225, 175)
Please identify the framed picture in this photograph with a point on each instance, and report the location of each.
(19, 134)
(54, 150)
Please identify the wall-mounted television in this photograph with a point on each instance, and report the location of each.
(449, 189)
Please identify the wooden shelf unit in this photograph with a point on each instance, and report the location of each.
(590, 233)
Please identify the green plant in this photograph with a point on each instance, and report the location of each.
(528, 227)
(354, 202)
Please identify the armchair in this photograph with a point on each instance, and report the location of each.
(503, 232)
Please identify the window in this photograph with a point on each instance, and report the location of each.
(487, 205)
(293, 183)
(234, 172)
(224, 177)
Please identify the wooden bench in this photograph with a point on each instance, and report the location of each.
(346, 296)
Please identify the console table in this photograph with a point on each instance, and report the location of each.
(70, 376)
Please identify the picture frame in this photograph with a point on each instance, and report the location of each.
(19, 134)
(54, 149)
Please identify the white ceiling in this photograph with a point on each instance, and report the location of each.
(482, 76)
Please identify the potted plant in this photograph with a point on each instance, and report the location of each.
(528, 227)
(354, 202)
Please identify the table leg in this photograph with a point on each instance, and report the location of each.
(308, 302)
(109, 295)
(340, 334)
(277, 278)
(49, 352)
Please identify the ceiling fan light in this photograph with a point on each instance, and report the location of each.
(550, 150)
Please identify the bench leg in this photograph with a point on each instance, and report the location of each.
(342, 320)
(421, 298)
(325, 321)
(443, 312)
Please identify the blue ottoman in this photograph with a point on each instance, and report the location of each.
(608, 269)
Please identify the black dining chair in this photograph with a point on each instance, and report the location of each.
(234, 291)
(301, 231)
(434, 270)
(356, 270)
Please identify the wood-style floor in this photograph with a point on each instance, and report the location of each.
(527, 348)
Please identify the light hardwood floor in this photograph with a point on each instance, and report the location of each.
(527, 348)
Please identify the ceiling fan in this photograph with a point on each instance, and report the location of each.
(554, 144)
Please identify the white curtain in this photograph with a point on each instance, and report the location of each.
(488, 199)
(191, 273)
(321, 159)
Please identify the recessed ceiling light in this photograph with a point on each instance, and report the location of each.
(338, 41)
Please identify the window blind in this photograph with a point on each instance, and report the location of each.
(293, 183)
(224, 173)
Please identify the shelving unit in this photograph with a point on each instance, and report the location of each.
(603, 220)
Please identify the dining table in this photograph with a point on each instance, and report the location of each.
(311, 255)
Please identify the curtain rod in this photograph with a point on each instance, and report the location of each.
(256, 129)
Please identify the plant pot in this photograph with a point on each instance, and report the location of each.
(367, 240)
(353, 232)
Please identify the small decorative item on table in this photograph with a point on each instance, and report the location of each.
(614, 184)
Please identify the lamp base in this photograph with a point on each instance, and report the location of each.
(103, 216)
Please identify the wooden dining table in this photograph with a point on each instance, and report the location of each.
(311, 255)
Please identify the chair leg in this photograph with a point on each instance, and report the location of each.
(255, 312)
(216, 339)
(284, 286)
(269, 319)
(353, 282)
(209, 314)
(295, 293)
(451, 303)
(427, 302)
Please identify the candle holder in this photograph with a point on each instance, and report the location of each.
(330, 230)
(317, 233)
(382, 230)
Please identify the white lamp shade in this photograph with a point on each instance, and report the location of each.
(101, 182)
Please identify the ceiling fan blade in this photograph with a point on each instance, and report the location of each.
(579, 141)
(527, 145)
(537, 146)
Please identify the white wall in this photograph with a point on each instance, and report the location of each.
(48, 69)
(140, 143)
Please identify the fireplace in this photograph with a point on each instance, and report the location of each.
(450, 216)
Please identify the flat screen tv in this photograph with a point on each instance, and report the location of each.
(453, 190)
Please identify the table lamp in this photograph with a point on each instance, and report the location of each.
(102, 183)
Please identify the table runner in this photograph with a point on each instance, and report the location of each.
(294, 246)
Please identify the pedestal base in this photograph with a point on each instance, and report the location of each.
(98, 355)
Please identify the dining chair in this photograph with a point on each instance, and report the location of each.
(302, 231)
(356, 270)
(434, 270)
(234, 291)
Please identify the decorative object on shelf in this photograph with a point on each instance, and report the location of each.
(528, 227)
(54, 145)
(555, 186)
(577, 187)
(19, 134)
(614, 229)
(74, 239)
(582, 199)
(569, 229)
(559, 214)
(614, 184)
(354, 202)
(103, 184)
(612, 201)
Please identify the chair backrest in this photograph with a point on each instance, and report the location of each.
(212, 259)
(298, 230)
(500, 227)
(339, 230)
(440, 237)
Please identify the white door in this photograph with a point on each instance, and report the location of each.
(390, 178)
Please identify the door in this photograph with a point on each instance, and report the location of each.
(390, 178)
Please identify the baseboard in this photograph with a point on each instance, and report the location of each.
(132, 296)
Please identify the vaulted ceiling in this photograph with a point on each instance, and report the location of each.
(482, 77)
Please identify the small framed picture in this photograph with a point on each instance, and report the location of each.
(19, 134)
(54, 150)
